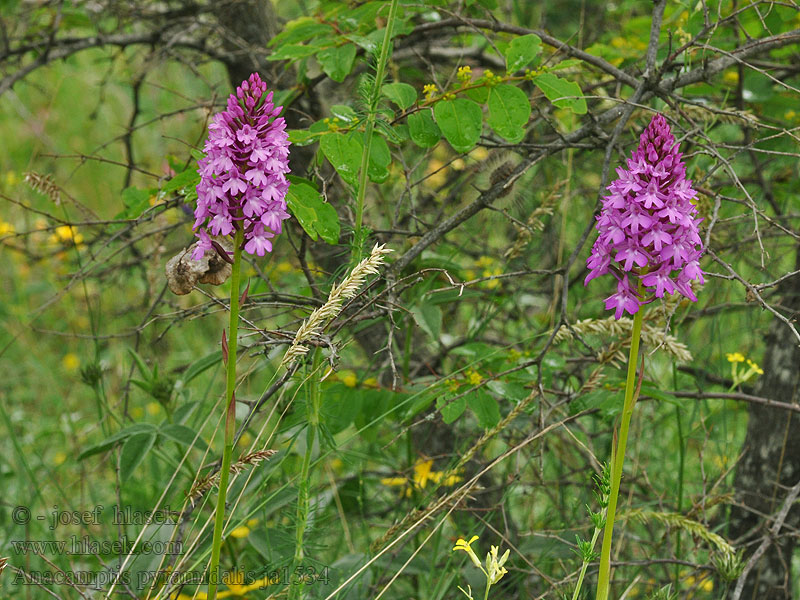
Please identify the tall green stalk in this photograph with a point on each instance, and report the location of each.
(369, 126)
(230, 417)
(296, 590)
(619, 458)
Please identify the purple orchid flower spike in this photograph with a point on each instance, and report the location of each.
(648, 237)
(243, 176)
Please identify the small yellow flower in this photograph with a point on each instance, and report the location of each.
(251, 523)
(10, 178)
(6, 229)
(755, 367)
(730, 77)
(240, 532)
(153, 408)
(71, 362)
(735, 357)
(790, 115)
(474, 378)
(66, 234)
(464, 74)
(59, 458)
(245, 439)
(461, 544)
(429, 90)
(348, 378)
(494, 565)
(370, 382)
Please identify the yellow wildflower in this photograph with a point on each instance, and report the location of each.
(6, 229)
(59, 458)
(240, 532)
(755, 367)
(153, 408)
(70, 362)
(494, 565)
(730, 77)
(473, 377)
(66, 234)
(734, 357)
(461, 544)
(348, 378)
(429, 90)
(464, 74)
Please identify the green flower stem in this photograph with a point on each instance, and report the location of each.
(296, 590)
(584, 566)
(619, 458)
(230, 417)
(358, 242)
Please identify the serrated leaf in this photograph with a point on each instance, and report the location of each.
(315, 216)
(509, 111)
(133, 452)
(183, 435)
(423, 130)
(451, 408)
(344, 153)
(402, 94)
(521, 51)
(107, 443)
(460, 121)
(485, 408)
(562, 93)
(337, 62)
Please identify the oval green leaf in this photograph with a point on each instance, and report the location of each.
(460, 121)
(522, 50)
(337, 62)
(344, 153)
(509, 111)
(422, 129)
(562, 93)
(133, 452)
(402, 94)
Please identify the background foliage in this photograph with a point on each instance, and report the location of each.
(472, 387)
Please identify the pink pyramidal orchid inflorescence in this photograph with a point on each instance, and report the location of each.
(648, 237)
(243, 175)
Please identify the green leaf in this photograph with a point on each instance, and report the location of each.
(300, 30)
(344, 113)
(379, 159)
(485, 408)
(423, 130)
(451, 408)
(315, 216)
(200, 365)
(460, 121)
(136, 201)
(429, 318)
(133, 452)
(337, 62)
(183, 435)
(188, 178)
(344, 153)
(107, 443)
(402, 94)
(302, 137)
(509, 111)
(522, 50)
(293, 52)
(140, 364)
(558, 91)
